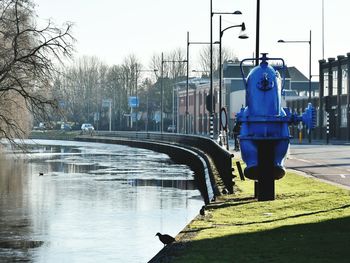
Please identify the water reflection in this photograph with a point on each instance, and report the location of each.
(94, 203)
(180, 184)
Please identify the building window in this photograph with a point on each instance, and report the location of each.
(325, 82)
(182, 101)
(343, 116)
(324, 116)
(216, 99)
(200, 128)
(344, 81)
(335, 81)
(191, 100)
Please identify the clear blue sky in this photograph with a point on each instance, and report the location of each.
(113, 29)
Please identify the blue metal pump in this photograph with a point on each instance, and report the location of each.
(264, 119)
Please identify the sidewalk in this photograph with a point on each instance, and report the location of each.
(319, 142)
(322, 161)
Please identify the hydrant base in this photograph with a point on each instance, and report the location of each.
(253, 172)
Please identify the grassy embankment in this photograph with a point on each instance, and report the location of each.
(308, 222)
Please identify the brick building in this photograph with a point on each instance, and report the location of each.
(233, 97)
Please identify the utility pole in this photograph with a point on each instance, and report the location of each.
(257, 32)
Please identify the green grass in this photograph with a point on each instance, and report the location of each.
(308, 222)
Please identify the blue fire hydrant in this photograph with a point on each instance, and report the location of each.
(264, 123)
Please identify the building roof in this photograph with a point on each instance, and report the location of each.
(296, 75)
(193, 82)
(304, 86)
(233, 71)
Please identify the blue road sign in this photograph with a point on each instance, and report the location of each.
(133, 101)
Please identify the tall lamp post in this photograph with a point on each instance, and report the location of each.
(257, 38)
(161, 87)
(136, 77)
(137, 100)
(310, 76)
(187, 75)
(211, 62)
(119, 100)
(242, 35)
(125, 91)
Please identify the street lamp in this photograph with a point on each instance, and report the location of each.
(161, 87)
(211, 61)
(309, 42)
(242, 35)
(114, 102)
(257, 37)
(125, 81)
(137, 100)
(187, 75)
(187, 79)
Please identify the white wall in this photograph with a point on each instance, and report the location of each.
(237, 99)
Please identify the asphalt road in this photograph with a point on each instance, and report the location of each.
(327, 162)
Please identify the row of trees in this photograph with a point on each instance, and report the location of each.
(83, 87)
(35, 87)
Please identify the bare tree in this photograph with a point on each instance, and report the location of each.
(178, 68)
(29, 55)
(204, 57)
(174, 69)
(156, 62)
(170, 69)
(82, 88)
(130, 71)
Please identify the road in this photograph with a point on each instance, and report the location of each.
(327, 162)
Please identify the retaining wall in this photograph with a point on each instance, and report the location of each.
(211, 163)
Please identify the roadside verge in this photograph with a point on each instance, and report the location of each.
(308, 222)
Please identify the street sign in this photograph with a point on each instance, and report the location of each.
(157, 116)
(106, 103)
(133, 102)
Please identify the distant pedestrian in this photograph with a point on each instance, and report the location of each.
(236, 131)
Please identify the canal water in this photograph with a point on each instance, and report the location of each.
(90, 202)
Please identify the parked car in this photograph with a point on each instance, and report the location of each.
(66, 127)
(87, 128)
(40, 127)
(171, 128)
